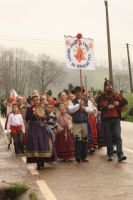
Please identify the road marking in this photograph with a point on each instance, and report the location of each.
(30, 167)
(23, 159)
(2, 121)
(45, 190)
(129, 150)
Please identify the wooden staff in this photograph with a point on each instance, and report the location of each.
(79, 36)
(81, 79)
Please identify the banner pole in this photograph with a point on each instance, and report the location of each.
(86, 83)
(81, 79)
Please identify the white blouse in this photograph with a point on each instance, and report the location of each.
(15, 120)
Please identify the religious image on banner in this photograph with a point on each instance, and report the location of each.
(79, 53)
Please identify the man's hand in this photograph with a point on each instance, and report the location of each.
(116, 103)
(82, 106)
(110, 107)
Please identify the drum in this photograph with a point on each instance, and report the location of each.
(40, 112)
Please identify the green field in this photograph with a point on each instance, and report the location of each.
(125, 115)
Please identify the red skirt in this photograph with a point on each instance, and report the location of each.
(64, 145)
(93, 140)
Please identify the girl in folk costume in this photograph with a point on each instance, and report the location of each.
(64, 137)
(93, 139)
(64, 98)
(39, 136)
(15, 123)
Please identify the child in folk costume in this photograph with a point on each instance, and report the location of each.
(51, 124)
(15, 124)
(51, 117)
(64, 99)
(22, 105)
(64, 137)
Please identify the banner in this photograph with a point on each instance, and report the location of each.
(79, 53)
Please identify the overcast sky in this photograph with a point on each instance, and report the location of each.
(24, 21)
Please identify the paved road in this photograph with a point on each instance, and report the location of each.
(96, 180)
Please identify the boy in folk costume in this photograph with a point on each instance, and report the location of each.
(51, 117)
(15, 124)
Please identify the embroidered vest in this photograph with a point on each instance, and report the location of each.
(80, 116)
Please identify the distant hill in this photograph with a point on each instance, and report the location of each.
(94, 78)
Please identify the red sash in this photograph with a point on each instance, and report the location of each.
(14, 129)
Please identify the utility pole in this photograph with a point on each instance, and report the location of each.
(130, 71)
(109, 43)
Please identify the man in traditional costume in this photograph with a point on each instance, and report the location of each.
(80, 108)
(111, 104)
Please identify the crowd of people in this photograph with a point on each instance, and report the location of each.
(67, 128)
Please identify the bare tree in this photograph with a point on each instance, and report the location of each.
(23, 65)
(121, 82)
(22, 72)
(47, 72)
(6, 69)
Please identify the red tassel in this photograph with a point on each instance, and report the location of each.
(79, 36)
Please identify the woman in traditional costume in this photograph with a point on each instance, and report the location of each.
(64, 137)
(93, 139)
(39, 136)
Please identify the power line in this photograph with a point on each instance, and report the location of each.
(48, 42)
(121, 10)
(29, 38)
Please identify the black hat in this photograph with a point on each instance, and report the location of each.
(106, 82)
(77, 89)
(49, 93)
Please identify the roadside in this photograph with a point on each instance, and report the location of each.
(14, 170)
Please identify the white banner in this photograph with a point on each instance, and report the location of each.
(79, 53)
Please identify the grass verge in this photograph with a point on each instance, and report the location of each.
(32, 196)
(13, 191)
(125, 114)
